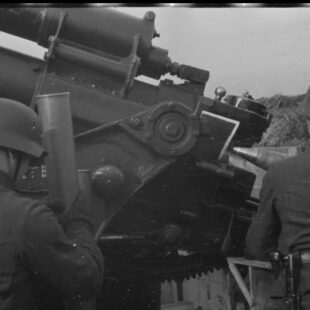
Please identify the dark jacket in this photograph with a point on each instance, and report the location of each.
(283, 217)
(35, 253)
(283, 222)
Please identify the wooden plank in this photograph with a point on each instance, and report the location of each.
(169, 292)
(234, 270)
(248, 262)
(209, 291)
(260, 277)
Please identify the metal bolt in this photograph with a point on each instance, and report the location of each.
(171, 105)
(148, 135)
(50, 39)
(172, 129)
(220, 92)
(150, 118)
(135, 122)
(150, 16)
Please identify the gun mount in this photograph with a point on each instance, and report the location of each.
(160, 181)
(108, 42)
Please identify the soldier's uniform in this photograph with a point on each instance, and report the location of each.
(35, 253)
(41, 260)
(283, 218)
(282, 221)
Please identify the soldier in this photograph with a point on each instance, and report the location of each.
(282, 221)
(35, 250)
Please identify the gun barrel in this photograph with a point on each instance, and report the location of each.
(18, 75)
(98, 31)
(103, 29)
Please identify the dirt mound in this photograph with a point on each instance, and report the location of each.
(288, 125)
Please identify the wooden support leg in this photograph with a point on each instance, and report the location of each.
(253, 295)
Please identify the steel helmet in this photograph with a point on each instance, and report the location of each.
(20, 128)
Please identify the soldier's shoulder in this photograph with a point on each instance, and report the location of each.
(14, 205)
(25, 203)
(301, 160)
(22, 199)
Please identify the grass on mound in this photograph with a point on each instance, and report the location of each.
(288, 126)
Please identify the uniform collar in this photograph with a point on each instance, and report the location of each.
(5, 180)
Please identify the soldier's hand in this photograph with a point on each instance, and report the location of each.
(56, 206)
(79, 212)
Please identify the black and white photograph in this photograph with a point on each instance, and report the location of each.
(154, 156)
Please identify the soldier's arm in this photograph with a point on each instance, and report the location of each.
(263, 233)
(72, 262)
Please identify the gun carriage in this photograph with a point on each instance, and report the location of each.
(167, 203)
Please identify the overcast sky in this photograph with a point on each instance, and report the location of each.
(263, 50)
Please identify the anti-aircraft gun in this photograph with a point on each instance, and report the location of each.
(167, 203)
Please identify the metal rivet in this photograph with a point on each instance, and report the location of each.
(150, 118)
(171, 105)
(135, 122)
(148, 135)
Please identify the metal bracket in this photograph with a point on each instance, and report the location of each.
(133, 65)
(247, 292)
(53, 39)
(47, 57)
(170, 128)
